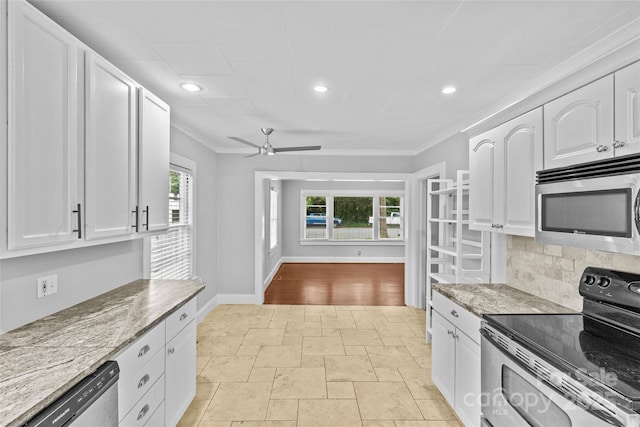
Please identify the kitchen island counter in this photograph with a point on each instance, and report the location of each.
(40, 361)
(496, 298)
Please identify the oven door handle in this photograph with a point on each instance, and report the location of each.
(636, 211)
(610, 417)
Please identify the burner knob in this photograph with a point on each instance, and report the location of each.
(604, 282)
(589, 280)
(634, 287)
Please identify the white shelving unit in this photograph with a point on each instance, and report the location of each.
(455, 254)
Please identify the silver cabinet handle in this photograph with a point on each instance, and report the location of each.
(144, 380)
(449, 332)
(618, 144)
(454, 313)
(183, 316)
(601, 148)
(144, 350)
(171, 350)
(455, 336)
(143, 411)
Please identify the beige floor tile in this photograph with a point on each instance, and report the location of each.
(312, 361)
(218, 346)
(391, 357)
(355, 350)
(435, 409)
(201, 362)
(340, 390)
(248, 350)
(387, 329)
(286, 409)
(320, 310)
(419, 383)
(330, 332)
(264, 337)
(292, 340)
(417, 347)
(239, 402)
(262, 375)
(288, 316)
(427, 424)
(378, 423)
(423, 362)
(305, 329)
(263, 424)
(361, 337)
(388, 374)
(278, 324)
(349, 368)
(212, 329)
(213, 424)
(386, 401)
(206, 390)
(194, 413)
(322, 346)
(227, 369)
(299, 383)
(392, 342)
(279, 356)
(328, 412)
(338, 322)
(312, 318)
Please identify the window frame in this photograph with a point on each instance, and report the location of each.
(189, 166)
(329, 195)
(273, 219)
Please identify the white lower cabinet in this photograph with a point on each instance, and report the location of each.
(455, 357)
(158, 372)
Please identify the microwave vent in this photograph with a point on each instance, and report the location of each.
(622, 165)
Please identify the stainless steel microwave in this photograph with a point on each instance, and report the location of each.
(594, 205)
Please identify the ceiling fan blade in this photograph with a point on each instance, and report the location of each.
(301, 148)
(242, 141)
(252, 155)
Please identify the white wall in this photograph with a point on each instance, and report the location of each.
(453, 150)
(291, 222)
(206, 206)
(235, 174)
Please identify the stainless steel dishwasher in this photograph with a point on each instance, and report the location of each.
(92, 403)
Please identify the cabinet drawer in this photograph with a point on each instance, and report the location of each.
(157, 419)
(181, 318)
(461, 318)
(131, 359)
(131, 389)
(142, 411)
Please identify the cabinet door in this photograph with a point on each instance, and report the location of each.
(627, 99)
(519, 153)
(180, 374)
(481, 177)
(443, 355)
(578, 127)
(43, 158)
(110, 150)
(153, 162)
(467, 380)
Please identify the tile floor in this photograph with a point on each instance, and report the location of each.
(315, 366)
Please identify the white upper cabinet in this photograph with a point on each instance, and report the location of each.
(627, 112)
(43, 139)
(502, 169)
(110, 150)
(153, 152)
(578, 127)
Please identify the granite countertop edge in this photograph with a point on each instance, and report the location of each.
(101, 354)
(481, 299)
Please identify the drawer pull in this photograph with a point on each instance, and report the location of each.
(143, 411)
(171, 350)
(183, 316)
(449, 332)
(144, 350)
(144, 380)
(454, 313)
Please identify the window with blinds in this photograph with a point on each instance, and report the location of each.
(171, 253)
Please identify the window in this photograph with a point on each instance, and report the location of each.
(273, 219)
(343, 217)
(171, 254)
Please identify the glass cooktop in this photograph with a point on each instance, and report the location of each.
(589, 349)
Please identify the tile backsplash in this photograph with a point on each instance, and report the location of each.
(553, 272)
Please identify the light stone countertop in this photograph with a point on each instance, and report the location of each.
(496, 298)
(40, 361)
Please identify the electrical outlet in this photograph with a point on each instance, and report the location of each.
(359, 253)
(47, 285)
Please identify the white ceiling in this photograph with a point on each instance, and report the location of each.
(385, 62)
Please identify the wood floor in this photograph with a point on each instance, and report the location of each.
(337, 284)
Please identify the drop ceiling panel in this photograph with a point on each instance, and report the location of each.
(196, 59)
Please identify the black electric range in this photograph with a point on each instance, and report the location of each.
(599, 347)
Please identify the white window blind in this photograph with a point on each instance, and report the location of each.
(171, 253)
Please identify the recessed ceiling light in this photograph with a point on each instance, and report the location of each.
(320, 89)
(190, 87)
(448, 90)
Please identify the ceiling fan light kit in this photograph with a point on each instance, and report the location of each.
(269, 150)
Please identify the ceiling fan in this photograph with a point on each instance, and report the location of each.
(269, 150)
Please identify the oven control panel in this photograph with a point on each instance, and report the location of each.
(614, 287)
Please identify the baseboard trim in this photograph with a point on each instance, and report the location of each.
(237, 299)
(271, 275)
(368, 260)
(207, 308)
